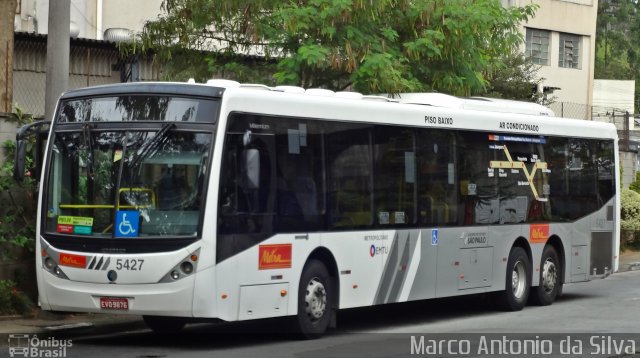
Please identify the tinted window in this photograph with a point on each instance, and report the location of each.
(301, 175)
(437, 189)
(247, 197)
(138, 108)
(300, 204)
(523, 182)
(606, 174)
(395, 176)
(478, 183)
(350, 179)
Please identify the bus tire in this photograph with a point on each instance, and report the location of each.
(315, 300)
(164, 325)
(550, 278)
(517, 283)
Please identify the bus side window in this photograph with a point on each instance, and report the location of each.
(478, 183)
(436, 177)
(350, 176)
(246, 203)
(395, 176)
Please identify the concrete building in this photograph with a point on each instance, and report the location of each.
(611, 99)
(96, 26)
(561, 39)
(90, 19)
(613, 102)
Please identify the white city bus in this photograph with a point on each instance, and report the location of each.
(181, 201)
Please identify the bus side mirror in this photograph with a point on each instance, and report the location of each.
(20, 160)
(37, 130)
(251, 168)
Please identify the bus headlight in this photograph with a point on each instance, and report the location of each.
(186, 267)
(175, 275)
(51, 265)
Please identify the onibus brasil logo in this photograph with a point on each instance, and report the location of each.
(24, 345)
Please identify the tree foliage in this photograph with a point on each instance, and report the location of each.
(387, 46)
(19, 201)
(515, 77)
(617, 43)
(630, 210)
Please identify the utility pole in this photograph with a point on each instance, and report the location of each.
(7, 15)
(57, 54)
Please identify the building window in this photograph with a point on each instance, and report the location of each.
(569, 56)
(538, 46)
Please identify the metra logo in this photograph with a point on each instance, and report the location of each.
(274, 256)
(377, 250)
(73, 260)
(539, 233)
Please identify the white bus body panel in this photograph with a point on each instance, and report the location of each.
(166, 299)
(373, 266)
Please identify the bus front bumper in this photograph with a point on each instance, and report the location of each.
(164, 299)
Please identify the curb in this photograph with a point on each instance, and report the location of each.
(633, 266)
(68, 329)
(83, 329)
(10, 317)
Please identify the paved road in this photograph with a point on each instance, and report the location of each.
(596, 309)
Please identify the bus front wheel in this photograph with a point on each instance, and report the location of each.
(517, 284)
(315, 300)
(550, 278)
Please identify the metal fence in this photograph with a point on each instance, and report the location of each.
(90, 63)
(594, 113)
(571, 110)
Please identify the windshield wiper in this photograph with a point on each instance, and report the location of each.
(152, 145)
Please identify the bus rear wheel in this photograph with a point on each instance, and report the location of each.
(315, 300)
(517, 284)
(550, 278)
(164, 325)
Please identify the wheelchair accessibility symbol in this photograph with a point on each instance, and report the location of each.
(127, 223)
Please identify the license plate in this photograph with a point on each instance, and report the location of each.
(114, 303)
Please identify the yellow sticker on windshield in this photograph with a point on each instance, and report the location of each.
(75, 220)
(117, 155)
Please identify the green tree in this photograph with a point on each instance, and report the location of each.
(515, 77)
(630, 214)
(635, 185)
(617, 44)
(19, 201)
(387, 46)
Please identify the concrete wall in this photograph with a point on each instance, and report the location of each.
(577, 17)
(614, 95)
(89, 18)
(628, 160)
(138, 12)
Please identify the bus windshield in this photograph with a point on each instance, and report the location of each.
(113, 178)
(114, 181)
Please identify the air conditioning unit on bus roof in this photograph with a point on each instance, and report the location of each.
(475, 103)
